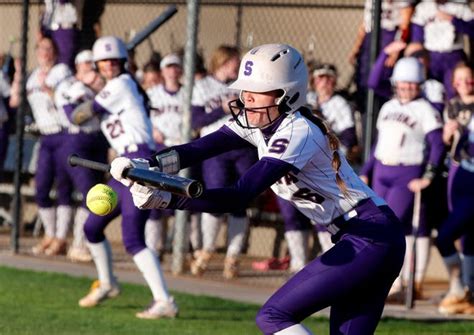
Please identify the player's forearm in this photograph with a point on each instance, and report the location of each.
(201, 119)
(437, 148)
(464, 27)
(211, 145)
(376, 74)
(231, 199)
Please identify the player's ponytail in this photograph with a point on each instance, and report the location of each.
(333, 145)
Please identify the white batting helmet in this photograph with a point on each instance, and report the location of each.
(408, 69)
(109, 47)
(272, 67)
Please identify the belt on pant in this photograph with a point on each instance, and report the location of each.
(335, 226)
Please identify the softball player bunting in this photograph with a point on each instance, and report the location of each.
(300, 160)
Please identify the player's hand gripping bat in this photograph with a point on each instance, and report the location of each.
(171, 183)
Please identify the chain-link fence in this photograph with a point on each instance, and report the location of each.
(324, 30)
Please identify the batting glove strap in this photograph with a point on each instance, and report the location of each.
(147, 198)
(168, 162)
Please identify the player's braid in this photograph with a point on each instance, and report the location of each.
(333, 145)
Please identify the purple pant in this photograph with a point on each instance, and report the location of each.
(451, 173)
(354, 277)
(225, 169)
(442, 65)
(391, 183)
(460, 220)
(52, 168)
(292, 217)
(89, 146)
(133, 219)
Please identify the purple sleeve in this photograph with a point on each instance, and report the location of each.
(216, 143)
(439, 106)
(200, 118)
(437, 150)
(98, 108)
(257, 179)
(368, 167)
(464, 27)
(68, 109)
(379, 77)
(348, 137)
(417, 33)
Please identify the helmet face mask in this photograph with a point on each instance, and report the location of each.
(272, 67)
(239, 113)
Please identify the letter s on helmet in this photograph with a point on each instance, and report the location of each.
(408, 69)
(109, 47)
(272, 67)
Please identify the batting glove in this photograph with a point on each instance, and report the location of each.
(148, 198)
(120, 164)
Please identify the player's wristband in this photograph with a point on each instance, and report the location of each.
(168, 161)
(430, 171)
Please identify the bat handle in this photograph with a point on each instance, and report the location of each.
(75, 160)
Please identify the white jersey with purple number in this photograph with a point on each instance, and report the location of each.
(73, 92)
(440, 35)
(338, 114)
(48, 119)
(210, 93)
(402, 129)
(167, 113)
(390, 16)
(313, 190)
(125, 122)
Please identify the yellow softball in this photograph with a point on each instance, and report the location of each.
(101, 199)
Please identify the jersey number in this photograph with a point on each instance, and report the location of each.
(115, 128)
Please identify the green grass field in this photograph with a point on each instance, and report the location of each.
(45, 303)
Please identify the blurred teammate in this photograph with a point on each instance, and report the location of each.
(210, 112)
(300, 160)
(395, 24)
(457, 133)
(405, 157)
(86, 141)
(51, 167)
(440, 26)
(6, 117)
(122, 107)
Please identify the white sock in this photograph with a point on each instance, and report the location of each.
(195, 232)
(63, 221)
(406, 262)
(153, 234)
(149, 266)
(236, 228)
(297, 329)
(422, 257)
(210, 225)
(453, 265)
(48, 217)
(80, 218)
(468, 272)
(102, 256)
(297, 241)
(324, 238)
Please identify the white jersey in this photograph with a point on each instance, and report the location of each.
(313, 190)
(4, 93)
(59, 15)
(48, 119)
(125, 122)
(338, 114)
(73, 92)
(402, 130)
(440, 35)
(167, 113)
(210, 93)
(390, 16)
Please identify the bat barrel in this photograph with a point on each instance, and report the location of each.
(75, 160)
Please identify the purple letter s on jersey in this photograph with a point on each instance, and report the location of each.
(248, 68)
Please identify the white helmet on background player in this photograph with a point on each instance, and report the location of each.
(109, 47)
(408, 69)
(272, 67)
